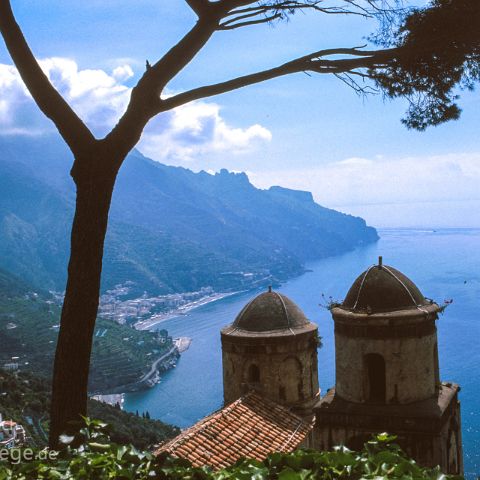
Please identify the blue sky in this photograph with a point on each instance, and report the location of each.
(306, 132)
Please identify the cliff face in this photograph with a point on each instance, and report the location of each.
(170, 229)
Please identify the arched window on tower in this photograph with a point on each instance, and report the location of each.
(376, 380)
(253, 375)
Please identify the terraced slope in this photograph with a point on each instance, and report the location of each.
(29, 327)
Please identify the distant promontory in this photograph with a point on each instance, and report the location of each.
(171, 230)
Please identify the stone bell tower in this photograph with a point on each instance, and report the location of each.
(387, 373)
(271, 348)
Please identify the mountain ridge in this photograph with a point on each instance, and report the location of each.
(170, 229)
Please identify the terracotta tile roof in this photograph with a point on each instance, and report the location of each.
(252, 427)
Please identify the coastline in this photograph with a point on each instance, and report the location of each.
(148, 379)
(181, 344)
(183, 310)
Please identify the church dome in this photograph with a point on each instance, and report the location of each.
(382, 288)
(270, 311)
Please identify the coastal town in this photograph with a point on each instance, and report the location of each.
(146, 311)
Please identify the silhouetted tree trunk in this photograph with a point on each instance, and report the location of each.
(94, 178)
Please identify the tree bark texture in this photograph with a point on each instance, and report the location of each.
(79, 312)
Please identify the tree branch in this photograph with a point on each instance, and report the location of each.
(253, 12)
(73, 130)
(199, 6)
(145, 100)
(312, 62)
(360, 90)
(233, 26)
(233, 17)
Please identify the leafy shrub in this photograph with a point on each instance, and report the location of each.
(98, 458)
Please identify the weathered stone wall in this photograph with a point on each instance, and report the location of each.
(403, 342)
(409, 367)
(283, 368)
(451, 442)
(429, 430)
(418, 446)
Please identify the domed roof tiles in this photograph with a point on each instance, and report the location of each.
(270, 311)
(382, 288)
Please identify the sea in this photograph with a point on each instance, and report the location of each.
(443, 263)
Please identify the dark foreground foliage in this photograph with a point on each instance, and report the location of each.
(25, 398)
(98, 458)
(440, 53)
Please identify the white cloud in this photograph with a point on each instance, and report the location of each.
(100, 98)
(434, 190)
(122, 72)
(13, 95)
(97, 96)
(197, 129)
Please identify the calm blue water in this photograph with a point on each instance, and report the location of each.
(444, 264)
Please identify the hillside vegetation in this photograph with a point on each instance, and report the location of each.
(171, 230)
(29, 324)
(25, 398)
